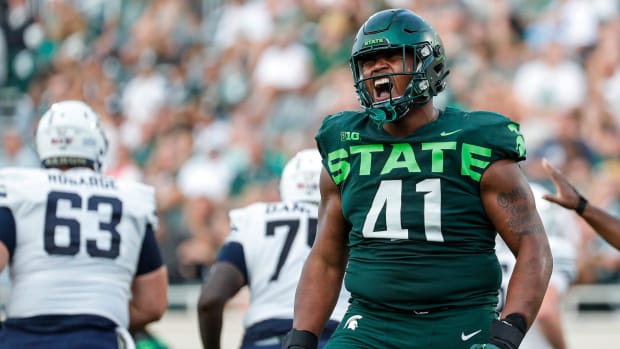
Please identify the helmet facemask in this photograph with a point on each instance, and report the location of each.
(406, 33)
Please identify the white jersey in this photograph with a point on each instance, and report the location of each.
(563, 234)
(276, 239)
(78, 237)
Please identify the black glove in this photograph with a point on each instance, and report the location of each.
(296, 339)
(508, 332)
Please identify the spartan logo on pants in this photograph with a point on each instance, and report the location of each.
(351, 323)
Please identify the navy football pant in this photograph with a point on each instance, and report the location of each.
(14, 338)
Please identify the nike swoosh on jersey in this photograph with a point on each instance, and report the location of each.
(444, 133)
(466, 337)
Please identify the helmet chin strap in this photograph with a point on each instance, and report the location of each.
(386, 112)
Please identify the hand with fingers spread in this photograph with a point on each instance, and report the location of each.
(606, 225)
(566, 196)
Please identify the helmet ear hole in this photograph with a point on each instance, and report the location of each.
(438, 51)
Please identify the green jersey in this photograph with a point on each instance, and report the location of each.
(420, 237)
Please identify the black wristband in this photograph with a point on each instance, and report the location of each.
(300, 339)
(581, 205)
(508, 332)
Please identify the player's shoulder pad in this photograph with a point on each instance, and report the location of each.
(494, 130)
(243, 217)
(488, 118)
(142, 197)
(19, 181)
(342, 118)
(334, 124)
(18, 174)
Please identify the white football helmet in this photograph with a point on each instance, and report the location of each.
(300, 178)
(70, 134)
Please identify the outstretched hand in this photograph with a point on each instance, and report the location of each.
(566, 195)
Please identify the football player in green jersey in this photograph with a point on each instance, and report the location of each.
(412, 198)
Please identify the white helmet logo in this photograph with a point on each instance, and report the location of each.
(351, 323)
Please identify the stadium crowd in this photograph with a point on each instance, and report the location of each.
(206, 99)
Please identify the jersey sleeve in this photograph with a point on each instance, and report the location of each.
(142, 203)
(8, 198)
(499, 133)
(238, 224)
(8, 234)
(151, 207)
(8, 194)
(325, 134)
(336, 130)
(150, 255)
(233, 250)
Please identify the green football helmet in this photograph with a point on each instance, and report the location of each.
(402, 30)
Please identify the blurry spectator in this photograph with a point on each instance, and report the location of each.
(207, 227)
(330, 44)
(261, 168)
(243, 23)
(551, 82)
(144, 94)
(206, 175)
(285, 64)
(547, 87)
(604, 69)
(204, 182)
(167, 27)
(335, 92)
(565, 149)
(124, 166)
(578, 24)
(15, 153)
(210, 132)
(160, 171)
(21, 35)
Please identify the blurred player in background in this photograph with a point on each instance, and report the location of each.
(563, 233)
(266, 249)
(412, 198)
(84, 262)
(606, 225)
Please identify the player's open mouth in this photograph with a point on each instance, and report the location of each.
(382, 87)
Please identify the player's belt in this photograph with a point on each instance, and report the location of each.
(430, 310)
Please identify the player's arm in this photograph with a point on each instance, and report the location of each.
(567, 196)
(223, 281)
(509, 203)
(4, 256)
(7, 236)
(149, 289)
(321, 278)
(549, 318)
